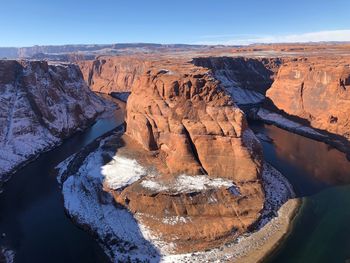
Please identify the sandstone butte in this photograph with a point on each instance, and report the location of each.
(179, 112)
(317, 90)
(108, 74)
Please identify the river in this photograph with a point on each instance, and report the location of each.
(320, 176)
(34, 224)
(32, 218)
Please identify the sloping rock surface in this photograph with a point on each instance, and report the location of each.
(40, 104)
(112, 74)
(316, 90)
(245, 79)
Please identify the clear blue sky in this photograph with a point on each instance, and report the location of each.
(29, 22)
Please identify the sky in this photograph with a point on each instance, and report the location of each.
(228, 22)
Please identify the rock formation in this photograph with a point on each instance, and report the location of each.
(245, 79)
(41, 104)
(316, 90)
(198, 136)
(112, 74)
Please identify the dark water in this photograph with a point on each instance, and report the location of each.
(321, 176)
(31, 207)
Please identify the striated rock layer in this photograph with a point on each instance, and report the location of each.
(245, 79)
(112, 74)
(41, 104)
(194, 129)
(316, 90)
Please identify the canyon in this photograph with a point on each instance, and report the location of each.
(187, 152)
(184, 176)
(177, 111)
(295, 91)
(41, 105)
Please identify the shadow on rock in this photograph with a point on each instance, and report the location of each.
(94, 209)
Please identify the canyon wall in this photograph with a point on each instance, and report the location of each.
(180, 113)
(245, 79)
(112, 74)
(316, 90)
(41, 104)
(190, 108)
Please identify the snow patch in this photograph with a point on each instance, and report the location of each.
(173, 220)
(240, 96)
(283, 122)
(118, 231)
(121, 172)
(185, 183)
(277, 191)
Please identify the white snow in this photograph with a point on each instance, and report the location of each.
(173, 220)
(239, 95)
(277, 191)
(185, 183)
(117, 230)
(121, 172)
(283, 122)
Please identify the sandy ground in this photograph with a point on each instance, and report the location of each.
(261, 243)
(252, 247)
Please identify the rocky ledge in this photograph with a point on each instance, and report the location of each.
(41, 104)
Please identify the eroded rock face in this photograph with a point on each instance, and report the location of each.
(245, 79)
(194, 128)
(317, 90)
(250, 73)
(112, 74)
(40, 105)
(189, 118)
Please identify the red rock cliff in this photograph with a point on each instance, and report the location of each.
(315, 89)
(180, 113)
(40, 105)
(112, 74)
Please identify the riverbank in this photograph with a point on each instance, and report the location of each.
(265, 241)
(45, 143)
(282, 122)
(251, 248)
(270, 231)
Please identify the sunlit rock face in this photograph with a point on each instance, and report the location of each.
(193, 128)
(41, 104)
(112, 74)
(317, 90)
